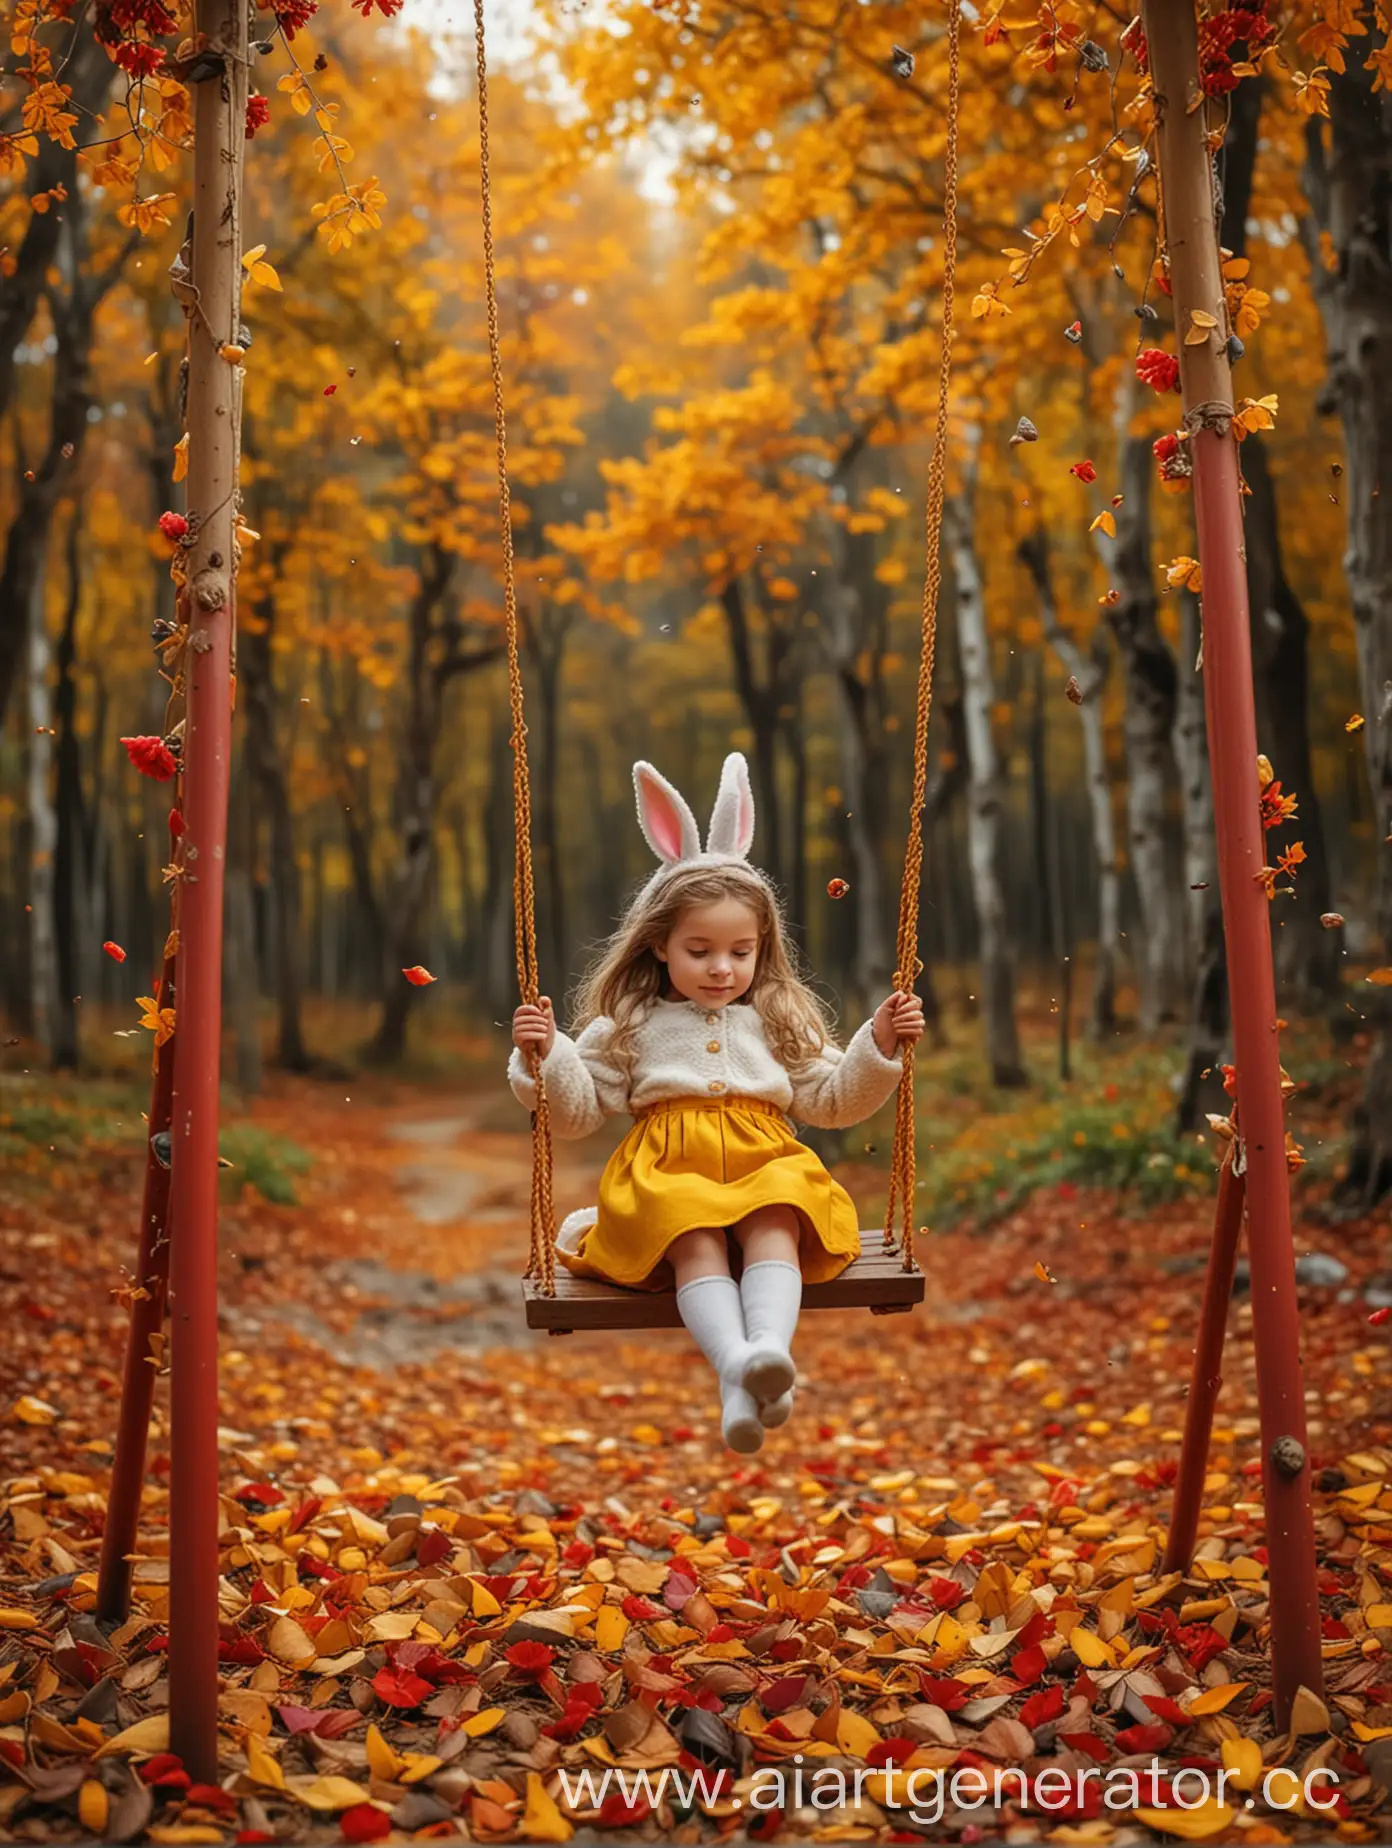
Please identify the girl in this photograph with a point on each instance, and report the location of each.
(696, 1024)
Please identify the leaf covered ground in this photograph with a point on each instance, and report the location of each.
(459, 1561)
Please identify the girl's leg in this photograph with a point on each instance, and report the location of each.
(708, 1302)
(771, 1295)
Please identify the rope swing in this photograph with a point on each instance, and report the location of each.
(541, 1265)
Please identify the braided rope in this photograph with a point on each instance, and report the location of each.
(541, 1263)
(902, 1167)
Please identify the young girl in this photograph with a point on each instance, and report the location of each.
(696, 1024)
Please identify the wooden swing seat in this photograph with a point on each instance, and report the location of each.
(876, 1281)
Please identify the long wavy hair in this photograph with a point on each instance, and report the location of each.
(628, 977)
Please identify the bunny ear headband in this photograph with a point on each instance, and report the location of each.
(670, 829)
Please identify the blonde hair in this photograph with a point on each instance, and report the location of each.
(628, 977)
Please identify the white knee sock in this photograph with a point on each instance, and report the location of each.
(710, 1308)
(771, 1293)
(775, 1412)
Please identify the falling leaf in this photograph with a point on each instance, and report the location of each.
(418, 975)
(1073, 690)
(1355, 723)
(837, 888)
(1381, 978)
(1380, 1317)
(114, 951)
(1085, 471)
(258, 270)
(1025, 432)
(1104, 523)
(1043, 1273)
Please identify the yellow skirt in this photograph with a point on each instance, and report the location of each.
(708, 1162)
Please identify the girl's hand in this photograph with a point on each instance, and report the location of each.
(534, 1027)
(898, 1022)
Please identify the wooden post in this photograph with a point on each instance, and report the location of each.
(1191, 240)
(214, 408)
(1206, 1377)
(146, 1321)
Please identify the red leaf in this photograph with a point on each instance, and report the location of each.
(616, 1811)
(890, 1752)
(161, 1763)
(151, 757)
(530, 1659)
(1028, 1665)
(1086, 1742)
(638, 1610)
(400, 1688)
(364, 1822)
(1166, 1709)
(1379, 1316)
(1085, 471)
(947, 1694)
(433, 1546)
(114, 951)
(1144, 1738)
(418, 975)
(1046, 1705)
(778, 1696)
(677, 1590)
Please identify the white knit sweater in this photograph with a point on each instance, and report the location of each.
(683, 1050)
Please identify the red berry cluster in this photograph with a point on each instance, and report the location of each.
(1218, 36)
(1165, 448)
(293, 16)
(258, 114)
(173, 525)
(1158, 369)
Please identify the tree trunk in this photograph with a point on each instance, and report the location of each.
(73, 314)
(500, 965)
(854, 636)
(1307, 956)
(545, 641)
(72, 925)
(43, 824)
(243, 978)
(89, 72)
(355, 805)
(795, 743)
(984, 800)
(1150, 708)
(1347, 184)
(435, 657)
(1202, 1089)
(407, 920)
(761, 695)
(1089, 672)
(262, 760)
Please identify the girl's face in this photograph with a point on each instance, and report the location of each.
(712, 954)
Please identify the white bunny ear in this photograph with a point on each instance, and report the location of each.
(668, 825)
(732, 819)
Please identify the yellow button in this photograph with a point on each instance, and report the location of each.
(716, 1085)
(712, 1045)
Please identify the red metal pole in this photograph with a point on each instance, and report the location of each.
(1191, 239)
(146, 1321)
(1206, 1378)
(214, 407)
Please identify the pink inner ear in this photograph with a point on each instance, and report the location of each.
(664, 823)
(746, 820)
